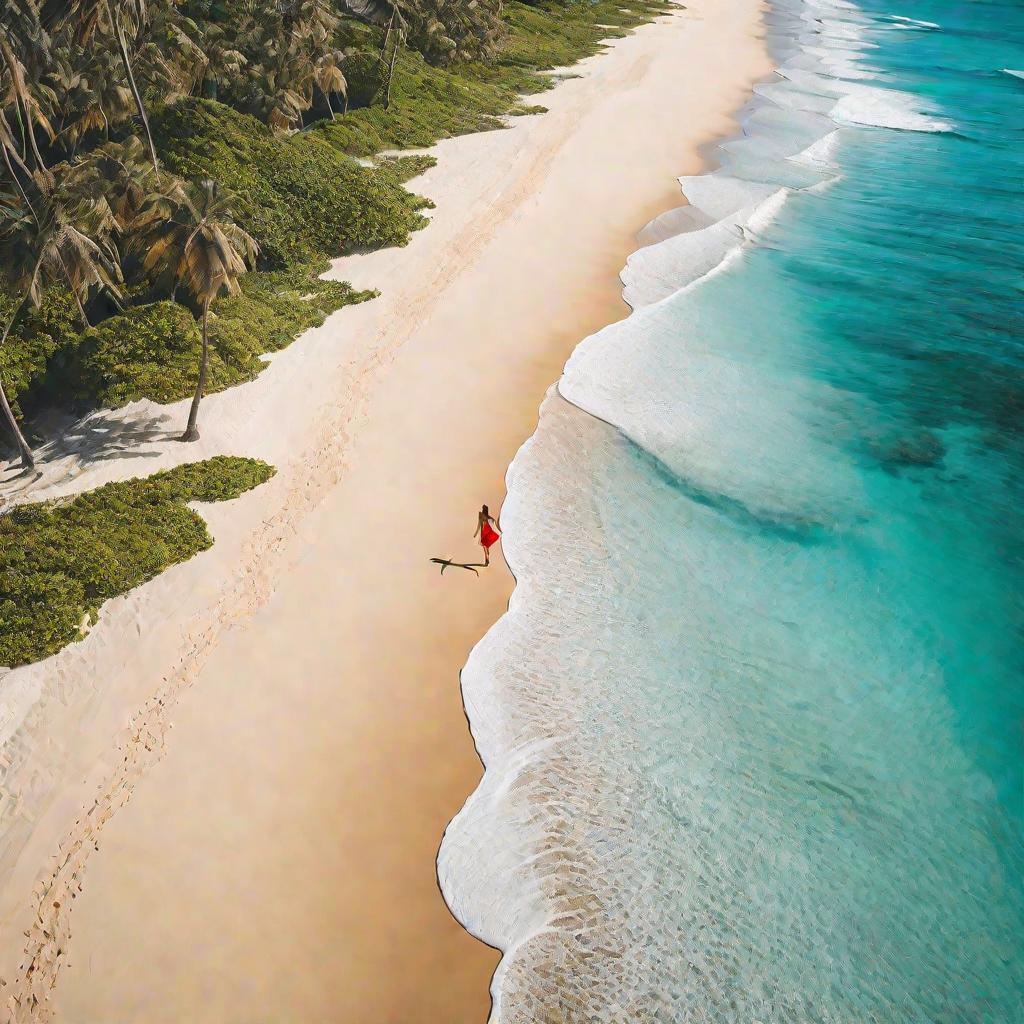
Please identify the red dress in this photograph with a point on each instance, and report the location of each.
(488, 535)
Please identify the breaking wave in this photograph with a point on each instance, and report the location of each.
(740, 762)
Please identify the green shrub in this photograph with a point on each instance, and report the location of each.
(152, 351)
(366, 75)
(44, 334)
(147, 352)
(60, 560)
(554, 35)
(276, 306)
(405, 168)
(427, 104)
(296, 195)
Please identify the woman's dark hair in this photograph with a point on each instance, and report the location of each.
(485, 510)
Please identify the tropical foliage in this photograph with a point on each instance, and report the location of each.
(149, 351)
(60, 560)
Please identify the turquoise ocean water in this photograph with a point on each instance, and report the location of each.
(754, 724)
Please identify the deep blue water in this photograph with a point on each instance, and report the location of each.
(754, 726)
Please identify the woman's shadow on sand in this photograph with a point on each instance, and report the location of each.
(447, 562)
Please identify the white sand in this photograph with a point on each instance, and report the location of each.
(276, 860)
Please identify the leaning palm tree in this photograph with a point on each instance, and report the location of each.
(399, 38)
(13, 160)
(192, 235)
(40, 247)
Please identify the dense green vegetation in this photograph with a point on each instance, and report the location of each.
(60, 560)
(149, 351)
(296, 195)
(44, 336)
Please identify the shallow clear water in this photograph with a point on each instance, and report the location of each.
(754, 725)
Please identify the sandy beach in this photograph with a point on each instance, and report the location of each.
(225, 804)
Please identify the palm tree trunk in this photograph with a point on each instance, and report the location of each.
(391, 69)
(126, 61)
(327, 96)
(17, 181)
(192, 431)
(12, 153)
(27, 458)
(22, 135)
(78, 298)
(387, 34)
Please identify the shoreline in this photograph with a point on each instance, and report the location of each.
(432, 417)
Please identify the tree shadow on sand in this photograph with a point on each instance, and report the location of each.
(105, 435)
(72, 445)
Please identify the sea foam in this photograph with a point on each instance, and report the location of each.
(616, 888)
(905, 22)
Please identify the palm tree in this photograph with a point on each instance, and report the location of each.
(194, 236)
(119, 176)
(175, 57)
(309, 22)
(399, 36)
(40, 247)
(223, 60)
(330, 78)
(117, 11)
(276, 55)
(97, 100)
(282, 95)
(87, 214)
(25, 100)
(92, 16)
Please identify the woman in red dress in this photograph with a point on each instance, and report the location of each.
(488, 535)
